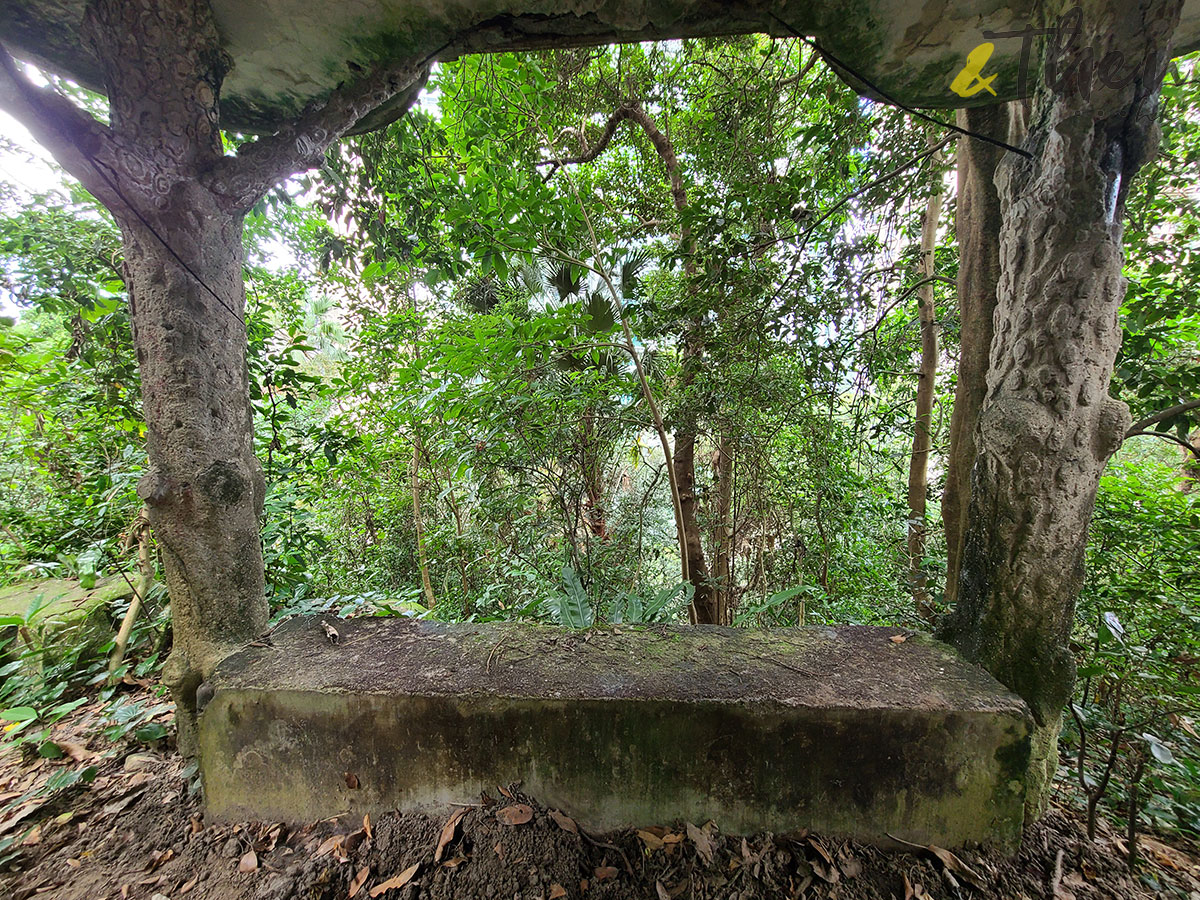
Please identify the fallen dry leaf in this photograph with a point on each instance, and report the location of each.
(663, 893)
(704, 845)
(454, 863)
(504, 792)
(189, 884)
(499, 852)
(77, 752)
(652, 841)
(820, 848)
(249, 862)
(957, 866)
(517, 814)
(268, 837)
(329, 845)
(898, 638)
(1164, 854)
(398, 881)
(74, 863)
(448, 832)
(197, 824)
(563, 821)
(158, 857)
(949, 861)
(557, 891)
(352, 781)
(826, 871)
(359, 880)
(604, 873)
(851, 866)
(367, 825)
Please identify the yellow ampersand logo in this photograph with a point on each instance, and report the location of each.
(970, 80)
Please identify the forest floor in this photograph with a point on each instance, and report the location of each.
(131, 825)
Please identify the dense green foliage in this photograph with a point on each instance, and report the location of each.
(460, 337)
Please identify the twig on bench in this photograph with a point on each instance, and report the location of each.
(488, 668)
(790, 667)
(781, 664)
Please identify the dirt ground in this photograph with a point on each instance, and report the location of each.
(137, 829)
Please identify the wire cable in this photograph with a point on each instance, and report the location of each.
(890, 99)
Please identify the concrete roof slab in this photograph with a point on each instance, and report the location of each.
(287, 53)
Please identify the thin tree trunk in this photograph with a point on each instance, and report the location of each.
(459, 531)
(682, 461)
(141, 591)
(643, 383)
(593, 478)
(977, 224)
(1190, 466)
(1048, 427)
(419, 524)
(706, 607)
(722, 532)
(415, 477)
(918, 466)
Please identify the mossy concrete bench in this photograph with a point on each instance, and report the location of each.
(846, 731)
(59, 615)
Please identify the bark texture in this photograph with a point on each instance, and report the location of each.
(976, 223)
(1047, 426)
(183, 267)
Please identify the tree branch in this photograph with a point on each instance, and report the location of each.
(74, 138)
(622, 113)
(1171, 412)
(242, 180)
(1166, 436)
(875, 182)
(632, 110)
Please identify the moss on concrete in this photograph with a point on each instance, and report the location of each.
(841, 730)
(59, 613)
(288, 54)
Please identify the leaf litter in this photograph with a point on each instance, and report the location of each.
(104, 840)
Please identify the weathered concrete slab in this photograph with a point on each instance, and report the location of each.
(60, 612)
(842, 731)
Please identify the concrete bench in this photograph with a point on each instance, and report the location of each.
(844, 731)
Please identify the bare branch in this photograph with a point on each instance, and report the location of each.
(873, 183)
(1166, 436)
(623, 112)
(243, 179)
(74, 138)
(1171, 412)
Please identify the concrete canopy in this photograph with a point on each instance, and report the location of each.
(288, 53)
